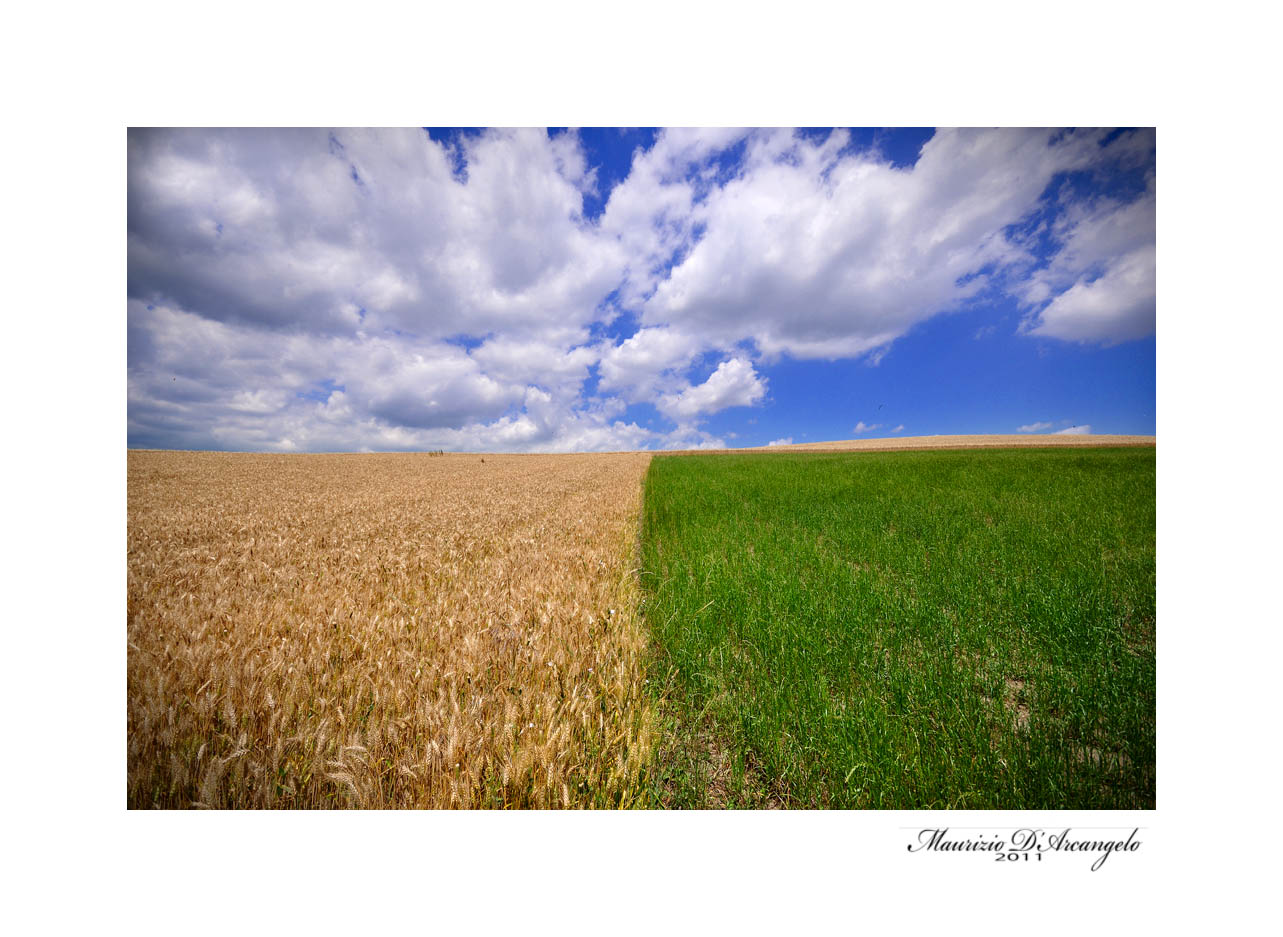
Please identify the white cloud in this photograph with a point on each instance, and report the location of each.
(558, 367)
(1118, 306)
(289, 226)
(898, 429)
(1037, 427)
(733, 384)
(1083, 430)
(863, 427)
(647, 363)
(268, 268)
(203, 384)
(1101, 285)
(689, 436)
(786, 441)
(814, 251)
(651, 214)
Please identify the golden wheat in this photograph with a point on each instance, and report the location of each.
(384, 631)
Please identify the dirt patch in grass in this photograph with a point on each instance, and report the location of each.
(1087, 755)
(1014, 700)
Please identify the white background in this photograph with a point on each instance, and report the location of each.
(75, 78)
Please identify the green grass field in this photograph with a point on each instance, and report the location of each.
(961, 629)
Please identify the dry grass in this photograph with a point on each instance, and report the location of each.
(384, 631)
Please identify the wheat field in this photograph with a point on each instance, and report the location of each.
(393, 630)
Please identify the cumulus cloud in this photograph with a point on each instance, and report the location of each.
(214, 385)
(648, 363)
(302, 289)
(863, 427)
(651, 215)
(786, 441)
(1116, 306)
(1083, 430)
(1036, 427)
(898, 429)
(690, 436)
(1100, 286)
(733, 384)
(817, 251)
(335, 229)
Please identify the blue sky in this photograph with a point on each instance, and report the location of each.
(565, 290)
